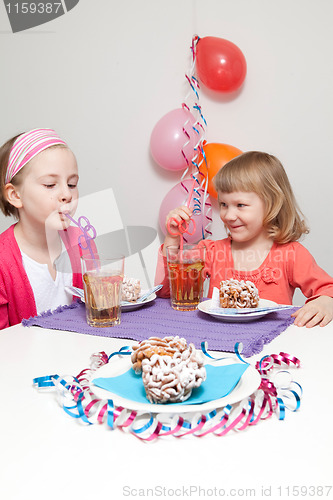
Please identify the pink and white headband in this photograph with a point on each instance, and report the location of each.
(27, 146)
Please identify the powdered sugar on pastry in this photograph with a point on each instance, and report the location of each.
(169, 377)
(238, 294)
(167, 346)
(131, 289)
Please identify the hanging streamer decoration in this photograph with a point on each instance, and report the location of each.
(201, 202)
(276, 394)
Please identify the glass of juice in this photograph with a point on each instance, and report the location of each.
(186, 276)
(102, 283)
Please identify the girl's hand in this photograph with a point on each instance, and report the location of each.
(180, 214)
(318, 311)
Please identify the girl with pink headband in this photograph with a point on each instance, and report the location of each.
(39, 254)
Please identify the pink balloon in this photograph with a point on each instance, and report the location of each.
(176, 197)
(168, 139)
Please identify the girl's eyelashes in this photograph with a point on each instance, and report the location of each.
(50, 186)
(73, 181)
(223, 204)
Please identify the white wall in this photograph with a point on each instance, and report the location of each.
(103, 74)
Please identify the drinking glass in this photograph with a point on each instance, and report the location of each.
(186, 276)
(102, 283)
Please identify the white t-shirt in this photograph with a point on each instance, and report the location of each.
(49, 293)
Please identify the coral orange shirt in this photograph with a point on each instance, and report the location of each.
(285, 268)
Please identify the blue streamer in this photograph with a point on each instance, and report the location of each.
(238, 347)
(282, 408)
(80, 409)
(110, 413)
(124, 351)
(144, 427)
(204, 346)
(197, 107)
(71, 414)
(210, 415)
(44, 381)
(261, 362)
(187, 425)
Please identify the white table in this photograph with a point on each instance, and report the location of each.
(45, 454)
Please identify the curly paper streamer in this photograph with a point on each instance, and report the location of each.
(199, 128)
(268, 362)
(79, 401)
(204, 348)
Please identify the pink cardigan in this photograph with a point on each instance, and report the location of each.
(285, 268)
(16, 296)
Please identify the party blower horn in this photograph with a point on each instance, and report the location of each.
(25, 15)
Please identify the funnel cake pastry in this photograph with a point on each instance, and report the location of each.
(238, 294)
(170, 368)
(131, 289)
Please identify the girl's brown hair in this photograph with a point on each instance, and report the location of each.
(264, 175)
(5, 206)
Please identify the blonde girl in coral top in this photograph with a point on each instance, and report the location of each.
(264, 224)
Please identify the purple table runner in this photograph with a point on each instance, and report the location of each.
(158, 319)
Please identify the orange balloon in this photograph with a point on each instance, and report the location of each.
(217, 155)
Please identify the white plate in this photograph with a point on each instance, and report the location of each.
(78, 292)
(206, 305)
(249, 382)
(136, 305)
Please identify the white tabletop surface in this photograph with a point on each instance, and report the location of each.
(45, 454)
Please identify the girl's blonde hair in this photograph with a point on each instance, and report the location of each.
(264, 175)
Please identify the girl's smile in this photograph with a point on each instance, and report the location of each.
(243, 215)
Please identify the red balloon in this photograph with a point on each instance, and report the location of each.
(220, 64)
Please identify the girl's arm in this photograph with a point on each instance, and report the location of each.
(4, 322)
(4, 319)
(315, 284)
(161, 277)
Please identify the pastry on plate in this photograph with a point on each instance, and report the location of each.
(238, 294)
(131, 289)
(170, 368)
